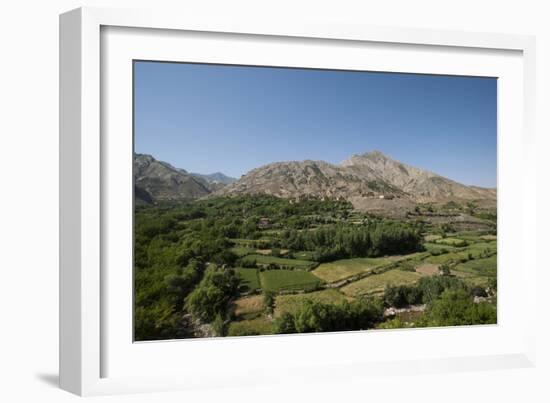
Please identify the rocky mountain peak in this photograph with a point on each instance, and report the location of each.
(370, 176)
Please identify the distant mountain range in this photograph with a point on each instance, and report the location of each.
(362, 177)
(158, 180)
(216, 177)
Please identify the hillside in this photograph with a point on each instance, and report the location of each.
(421, 185)
(161, 181)
(367, 176)
(370, 181)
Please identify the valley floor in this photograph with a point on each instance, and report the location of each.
(455, 262)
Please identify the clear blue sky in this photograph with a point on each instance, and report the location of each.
(208, 118)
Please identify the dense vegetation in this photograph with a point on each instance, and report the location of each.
(314, 316)
(194, 259)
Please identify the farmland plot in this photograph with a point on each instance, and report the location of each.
(377, 282)
(280, 261)
(250, 327)
(280, 280)
(342, 269)
(249, 278)
(249, 307)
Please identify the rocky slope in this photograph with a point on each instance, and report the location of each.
(161, 181)
(371, 175)
(419, 184)
(370, 180)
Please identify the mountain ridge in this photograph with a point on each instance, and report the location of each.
(362, 178)
(216, 177)
(372, 174)
(162, 181)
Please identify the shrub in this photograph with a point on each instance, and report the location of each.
(269, 301)
(401, 296)
(213, 294)
(456, 307)
(314, 316)
(285, 324)
(432, 287)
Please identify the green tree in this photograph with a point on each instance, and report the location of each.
(285, 324)
(445, 270)
(456, 307)
(213, 294)
(269, 302)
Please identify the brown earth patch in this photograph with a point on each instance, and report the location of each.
(248, 305)
(428, 269)
(265, 252)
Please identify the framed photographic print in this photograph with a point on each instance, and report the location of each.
(236, 194)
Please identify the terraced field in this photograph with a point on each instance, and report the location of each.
(342, 269)
(377, 282)
(249, 278)
(451, 242)
(427, 269)
(438, 248)
(303, 255)
(490, 246)
(432, 237)
(289, 303)
(484, 267)
(447, 257)
(249, 307)
(250, 327)
(288, 280)
(241, 251)
(280, 261)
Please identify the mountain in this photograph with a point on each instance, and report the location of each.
(216, 177)
(142, 196)
(372, 175)
(421, 185)
(370, 181)
(158, 180)
(304, 178)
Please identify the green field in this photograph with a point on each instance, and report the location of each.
(447, 257)
(278, 280)
(250, 327)
(249, 278)
(377, 282)
(451, 242)
(438, 248)
(241, 251)
(248, 242)
(290, 303)
(491, 246)
(280, 261)
(342, 269)
(486, 266)
(303, 255)
(415, 258)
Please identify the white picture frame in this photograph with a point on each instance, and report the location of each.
(89, 352)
